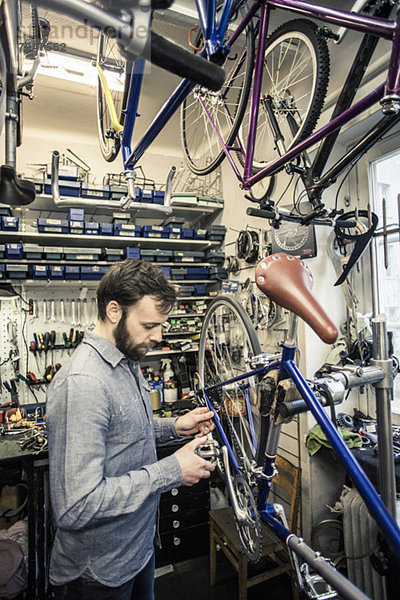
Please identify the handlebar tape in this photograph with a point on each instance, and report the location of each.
(177, 60)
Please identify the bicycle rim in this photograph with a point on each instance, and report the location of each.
(295, 81)
(227, 343)
(114, 69)
(225, 109)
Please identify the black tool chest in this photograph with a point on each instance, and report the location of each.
(184, 521)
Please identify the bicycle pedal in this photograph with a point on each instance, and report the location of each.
(209, 450)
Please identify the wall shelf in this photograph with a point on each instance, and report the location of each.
(105, 241)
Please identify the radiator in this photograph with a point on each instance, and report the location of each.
(360, 540)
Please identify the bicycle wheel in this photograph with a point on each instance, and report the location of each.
(295, 81)
(113, 68)
(224, 109)
(228, 342)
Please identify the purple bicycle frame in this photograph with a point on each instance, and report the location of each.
(383, 28)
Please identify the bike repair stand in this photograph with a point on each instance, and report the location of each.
(387, 563)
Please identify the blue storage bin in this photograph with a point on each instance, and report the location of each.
(200, 289)
(53, 252)
(188, 256)
(132, 253)
(72, 272)
(147, 196)
(175, 233)
(77, 227)
(186, 234)
(164, 255)
(127, 229)
(14, 251)
(113, 254)
(66, 187)
(93, 272)
(76, 214)
(39, 271)
(158, 196)
(17, 271)
(166, 271)
(186, 290)
(149, 255)
(82, 253)
(157, 231)
(33, 251)
(91, 228)
(106, 229)
(178, 273)
(56, 272)
(52, 225)
(10, 223)
(2, 271)
(90, 190)
(197, 272)
(200, 234)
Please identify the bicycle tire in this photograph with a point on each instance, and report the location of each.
(263, 190)
(296, 56)
(228, 339)
(108, 54)
(201, 146)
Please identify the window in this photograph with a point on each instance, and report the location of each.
(386, 200)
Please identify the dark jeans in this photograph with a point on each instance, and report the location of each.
(140, 587)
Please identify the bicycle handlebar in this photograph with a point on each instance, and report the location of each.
(275, 215)
(177, 60)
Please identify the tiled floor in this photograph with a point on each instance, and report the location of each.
(190, 581)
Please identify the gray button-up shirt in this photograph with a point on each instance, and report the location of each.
(105, 479)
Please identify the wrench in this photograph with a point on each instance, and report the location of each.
(62, 320)
(53, 311)
(73, 319)
(78, 305)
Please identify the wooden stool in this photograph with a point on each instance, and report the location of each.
(224, 533)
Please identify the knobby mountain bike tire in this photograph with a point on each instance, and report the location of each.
(228, 341)
(294, 86)
(225, 108)
(113, 66)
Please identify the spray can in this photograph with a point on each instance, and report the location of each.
(170, 389)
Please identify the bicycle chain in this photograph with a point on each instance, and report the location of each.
(239, 456)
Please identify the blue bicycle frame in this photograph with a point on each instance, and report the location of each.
(376, 507)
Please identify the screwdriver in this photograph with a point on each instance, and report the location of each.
(33, 347)
(52, 343)
(46, 341)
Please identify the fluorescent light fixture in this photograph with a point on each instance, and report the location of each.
(60, 66)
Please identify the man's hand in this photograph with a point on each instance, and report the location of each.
(192, 465)
(197, 421)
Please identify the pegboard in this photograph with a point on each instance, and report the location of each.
(57, 306)
(12, 344)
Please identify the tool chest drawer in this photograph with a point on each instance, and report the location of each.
(183, 519)
(183, 544)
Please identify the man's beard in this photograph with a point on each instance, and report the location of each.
(126, 345)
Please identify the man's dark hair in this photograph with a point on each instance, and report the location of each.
(128, 281)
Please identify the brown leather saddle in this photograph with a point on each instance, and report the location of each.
(287, 280)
